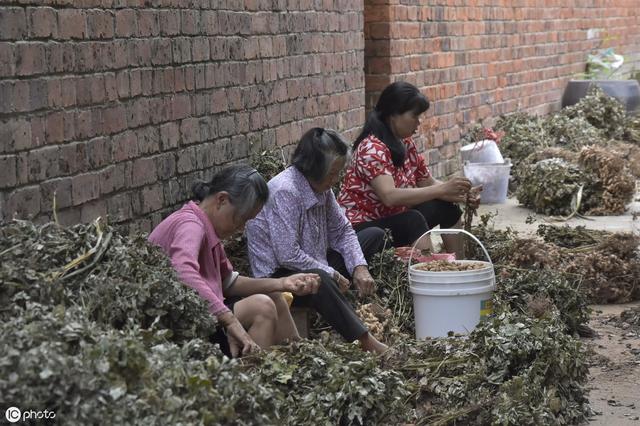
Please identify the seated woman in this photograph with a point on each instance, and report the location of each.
(302, 221)
(191, 237)
(387, 183)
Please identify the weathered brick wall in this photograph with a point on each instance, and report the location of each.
(478, 59)
(118, 105)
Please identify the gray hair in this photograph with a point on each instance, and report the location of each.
(317, 150)
(247, 189)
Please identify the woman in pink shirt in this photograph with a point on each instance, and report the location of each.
(254, 312)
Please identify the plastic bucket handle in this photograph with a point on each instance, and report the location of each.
(449, 231)
(477, 146)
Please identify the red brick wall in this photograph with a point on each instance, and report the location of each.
(118, 105)
(477, 59)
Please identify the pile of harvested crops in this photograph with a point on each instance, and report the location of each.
(551, 179)
(605, 266)
(96, 327)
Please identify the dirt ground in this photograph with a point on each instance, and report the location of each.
(615, 371)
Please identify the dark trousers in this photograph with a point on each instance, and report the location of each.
(330, 304)
(408, 226)
(371, 242)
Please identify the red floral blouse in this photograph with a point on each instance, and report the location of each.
(371, 159)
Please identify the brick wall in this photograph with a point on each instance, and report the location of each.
(118, 105)
(478, 59)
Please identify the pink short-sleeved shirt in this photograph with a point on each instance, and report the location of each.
(196, 252)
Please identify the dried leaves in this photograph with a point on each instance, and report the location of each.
(618, 185)
(550, 186)
(606, 266)
(133, 282)
(546, 170)
(126, 343)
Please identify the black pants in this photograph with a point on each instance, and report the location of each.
(371, 242)
(330, 304)
(408, 226)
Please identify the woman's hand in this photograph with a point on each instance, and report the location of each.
(343, 283)
(301, 284)
(363, 280)
(455, 190)
(240, 343)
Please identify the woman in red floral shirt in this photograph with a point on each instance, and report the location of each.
(388, 184)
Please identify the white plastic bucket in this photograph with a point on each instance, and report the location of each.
(451, 301)
(485, 151)
(494, 178)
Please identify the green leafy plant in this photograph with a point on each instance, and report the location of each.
(603, 65)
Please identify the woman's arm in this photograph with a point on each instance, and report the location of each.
(429, 181)
(386, 190)
(184, 252)
(298, 284)
(474, 192)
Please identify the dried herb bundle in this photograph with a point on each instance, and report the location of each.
(617, 183)
(611, 272)
(569, 237)
(269, 163)
(125, 281)
(552, 186)
(391, 277)
(608, 267)
(524, 135)
(602, 111)
(547, 173)
(512, 369)
(573, 133)
(632, 129)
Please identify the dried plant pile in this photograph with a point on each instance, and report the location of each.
(549, 176)
(96, 327)
(605, 266)
(571, 237)
(552, 186)
(269, 163)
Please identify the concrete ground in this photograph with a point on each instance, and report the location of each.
(511, 214)
(615, 367)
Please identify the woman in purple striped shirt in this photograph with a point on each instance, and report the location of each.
(302, 229)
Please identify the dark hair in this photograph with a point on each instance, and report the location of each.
(396, 98)
(246, 187)
(316, 151)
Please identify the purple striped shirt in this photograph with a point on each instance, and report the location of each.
(297, 226)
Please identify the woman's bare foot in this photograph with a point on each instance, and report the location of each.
(371, 344)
